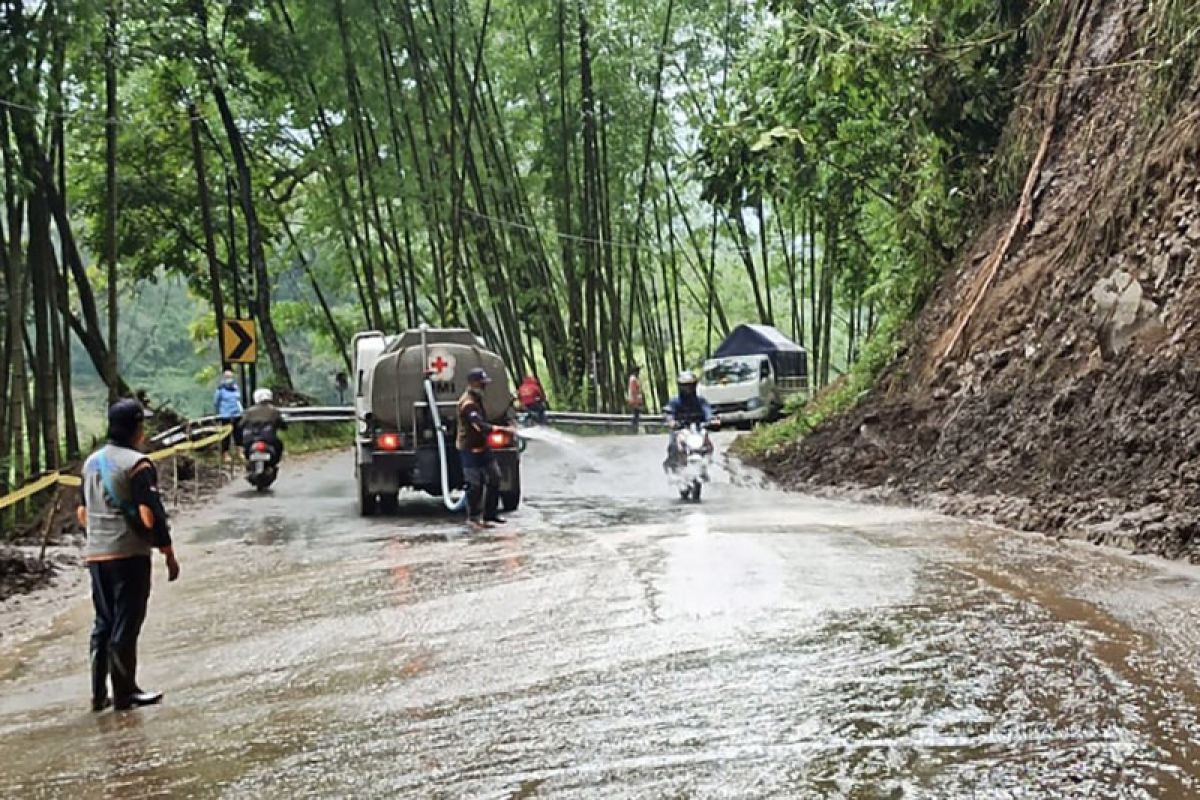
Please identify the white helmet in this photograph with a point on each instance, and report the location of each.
(263, 396)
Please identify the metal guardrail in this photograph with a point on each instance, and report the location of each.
(591, 420)
(206, 426)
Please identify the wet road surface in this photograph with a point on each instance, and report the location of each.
(611, 642)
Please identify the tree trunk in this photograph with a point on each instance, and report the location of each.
(41, 271)
(110, 189)
(257, 252)
(206, 221)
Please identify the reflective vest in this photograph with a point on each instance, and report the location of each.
(113, 529)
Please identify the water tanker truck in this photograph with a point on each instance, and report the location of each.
(406, 395)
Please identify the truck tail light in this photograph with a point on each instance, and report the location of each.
(498, 440)
(388, 441)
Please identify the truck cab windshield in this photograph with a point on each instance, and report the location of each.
(725, 372)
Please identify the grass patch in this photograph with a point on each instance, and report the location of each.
(836, 398)
(314, 437)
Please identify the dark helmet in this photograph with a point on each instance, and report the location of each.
(479, 376)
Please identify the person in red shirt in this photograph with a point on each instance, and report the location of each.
(533, 399)
(635, 397)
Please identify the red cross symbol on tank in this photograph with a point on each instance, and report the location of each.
(439, 364)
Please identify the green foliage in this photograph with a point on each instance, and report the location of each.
(880, 120)
(317, 437)
(885, 112)
(1172, 39)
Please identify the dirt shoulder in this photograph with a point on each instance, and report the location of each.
(34, 592)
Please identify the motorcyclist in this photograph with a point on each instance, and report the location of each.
(686, 408)
(533, 398)
(263, 422)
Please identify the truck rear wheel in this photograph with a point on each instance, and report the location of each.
(367, 506)
(389, 504)
(509, 500)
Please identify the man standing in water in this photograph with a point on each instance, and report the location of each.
(125, 520)
(480, 469)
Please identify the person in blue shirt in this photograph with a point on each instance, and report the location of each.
(227, 404)
(686, 408)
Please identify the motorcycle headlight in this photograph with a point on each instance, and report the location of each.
(753, 403)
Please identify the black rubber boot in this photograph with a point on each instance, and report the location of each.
(139, 698)
(124, 675)
(100, 698)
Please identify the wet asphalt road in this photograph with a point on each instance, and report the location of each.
(611, 642)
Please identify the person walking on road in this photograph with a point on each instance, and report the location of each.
(227, 404)
(125, 521)
(634, 396)
(480, 469)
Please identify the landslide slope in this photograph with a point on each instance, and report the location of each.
(1053, 380)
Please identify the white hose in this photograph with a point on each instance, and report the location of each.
(451, 504)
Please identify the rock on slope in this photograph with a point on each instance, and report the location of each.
(1053, 381)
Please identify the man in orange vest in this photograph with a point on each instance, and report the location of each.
(480, 469)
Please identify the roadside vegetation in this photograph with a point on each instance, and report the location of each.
(586, 185)
(315, 437)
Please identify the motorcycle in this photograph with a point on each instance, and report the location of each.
(261, 467)
(688, 465)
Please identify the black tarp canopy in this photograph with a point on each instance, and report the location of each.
(789, 359)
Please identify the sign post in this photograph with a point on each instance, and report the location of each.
(239, 341)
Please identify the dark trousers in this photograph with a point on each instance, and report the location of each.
(482, 474)
(120, 592)
(235, 436)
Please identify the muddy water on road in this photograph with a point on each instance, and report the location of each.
(611, 642)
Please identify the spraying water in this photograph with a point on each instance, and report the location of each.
(550, 436)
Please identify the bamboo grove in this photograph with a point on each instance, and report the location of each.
(585, 184)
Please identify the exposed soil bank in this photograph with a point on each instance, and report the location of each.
(1069, 403)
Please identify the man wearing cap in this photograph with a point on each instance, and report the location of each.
(125, 520)
(480, 469)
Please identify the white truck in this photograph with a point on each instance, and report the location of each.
(752, 374)
(406, 390)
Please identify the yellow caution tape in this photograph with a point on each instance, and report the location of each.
(59, 479)
(199, 444)
(29, 490)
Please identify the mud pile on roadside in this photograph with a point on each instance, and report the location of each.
(20, 572)
(1054, 383)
